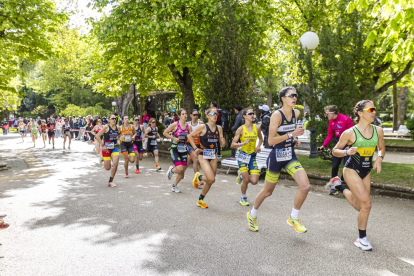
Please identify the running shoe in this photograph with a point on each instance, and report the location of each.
(202, 204)
(297, 224)
(175, 189)
(170, 172)
(111, 184)
(4, 225)
(201, 185)
(126, 175)
(239, 178)
(333, 182)
(252, 222)
(158, 168)
(363, 244)
(333, 192)
(244, 202)
(137, 171)
(196, 180)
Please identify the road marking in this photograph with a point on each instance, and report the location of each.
(411, 262)
(387, 273)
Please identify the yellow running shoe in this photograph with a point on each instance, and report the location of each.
(244, 202)
(196, 181)
(251, 221)
(202, 204)
(297, 224)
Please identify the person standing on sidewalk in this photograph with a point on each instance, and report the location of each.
(338, 123)
(363, 139)
(265, 117)
(237, 124)
(282, 129)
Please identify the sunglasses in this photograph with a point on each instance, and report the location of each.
(195, 115)
(250, 113)
(113, 118)
(152, 122)
(213, 114)
(293, 95)
(136, 120)
(370, 110)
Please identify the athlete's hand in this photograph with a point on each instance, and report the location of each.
(298, 143)
(176, 139)
(377, 164)
(104, 148)
(320, 149)
(298, 131)
(198, 150)
(245, 142)
(258, 149)
(352, 151)
(222, 141)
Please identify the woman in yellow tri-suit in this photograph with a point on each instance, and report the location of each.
(248, 169)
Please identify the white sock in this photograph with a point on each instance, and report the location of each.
(253, 212)
(244, 196)
(294, 214)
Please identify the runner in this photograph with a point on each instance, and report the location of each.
(195, 122)
(95, 131)
(178, 149)
(33, 131)
(66, 133)
(42, 129)
(210, 135)
(152, 147)
(139, 152)
(248, 169)
(51, 131)
(22, 128)
(110, 147)
(282, 129)
(357, 169)
(127, 146)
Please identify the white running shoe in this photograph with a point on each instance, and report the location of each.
(333, 182)
(175, 189)
(170, 172)
(363, 244)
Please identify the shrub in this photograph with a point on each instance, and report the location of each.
(410, 125)
(386, 124)
(72, 109)
(301, 108)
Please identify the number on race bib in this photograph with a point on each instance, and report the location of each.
(182, 148)
(209, 154)
(244, 157)
(109, 145)
(153, 142)
(127, 138)
(284, 154)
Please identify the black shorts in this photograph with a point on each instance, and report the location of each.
(151, 148)
(362, 172)
(179, 158)
(127, 149)
(51, 134)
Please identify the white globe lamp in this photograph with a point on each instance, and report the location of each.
(113, 104)
(309, 40)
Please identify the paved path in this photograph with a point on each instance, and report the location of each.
(66, 221)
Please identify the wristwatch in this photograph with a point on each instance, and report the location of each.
(382, 157)
(290, 135)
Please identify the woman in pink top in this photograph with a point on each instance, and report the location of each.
(338, 123)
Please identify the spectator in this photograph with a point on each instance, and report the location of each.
(167, 120)
(89, 127)
(58, 127)
(338, 123)
(237, 123)
(377, 121)
(145, 119)
(305, 117)
(265, 117)
(5, 126)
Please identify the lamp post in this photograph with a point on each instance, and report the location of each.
(310, 41)
(113, 106)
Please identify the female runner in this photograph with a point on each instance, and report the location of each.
(210, 135)
(95, 131)
(110, 147)
(139, 151)
(66, 133)
(282, 129)
(248, 169)
(179, 153)
(363, 139)
(33, 131)
(152, 147)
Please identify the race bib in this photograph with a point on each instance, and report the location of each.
(182, 137)
(366, 151)
(110, 145)
(244, 157)
(284, 154)
(209, 154)
(127, 138)
(182, 148)
(153, 142)
(67, 133)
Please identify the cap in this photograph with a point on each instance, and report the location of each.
(264, 107)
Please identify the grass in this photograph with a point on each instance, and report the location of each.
(399, 142)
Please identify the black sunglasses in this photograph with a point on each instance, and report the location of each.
(195, 115)
(136, 120)
(250, 113)
(113, 118)
(293, 95)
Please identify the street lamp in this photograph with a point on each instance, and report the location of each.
(113, 105)
(310, 41)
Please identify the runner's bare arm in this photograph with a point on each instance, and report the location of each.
(222, 139)
(260, 136)
(381, 150)
(171, 128)
(275, 122)
(346, 138)
(235, 143)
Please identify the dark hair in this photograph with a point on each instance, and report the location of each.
(194, 110)
(244, 112)
(283, 91)
(331, 108)
(359, 107)
(180, 111)
(238, 107)
(214, 103)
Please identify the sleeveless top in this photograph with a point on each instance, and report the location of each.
(138, 136)
(196, 138)
(181, 134)
(250, 147)
(98, 128)
(65, 127)
(34, 129)
(127, 134)
(111, 135)
(366, 149)
(210, 139)
(285, 127)
(153, 132)
(43, 127)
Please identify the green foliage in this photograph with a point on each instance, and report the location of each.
(301, 108)
(40, 110)
(75, 110)
(410, 125)
(387, 124)
(161, 128)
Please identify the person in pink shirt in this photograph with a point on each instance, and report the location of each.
(338, 123)
(145, 119)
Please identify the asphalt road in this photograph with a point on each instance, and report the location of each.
(66, 221)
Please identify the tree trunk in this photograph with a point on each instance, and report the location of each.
(185, 82)
(123, 102)
(402, 105)
(394, 103)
